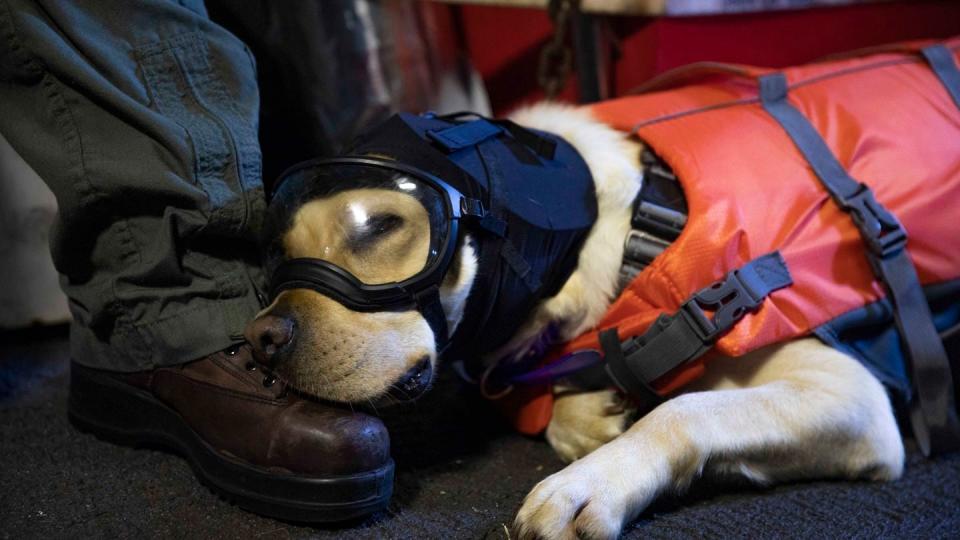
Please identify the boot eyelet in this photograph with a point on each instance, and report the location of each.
(232, 350)
(251, 366)
(269, 381)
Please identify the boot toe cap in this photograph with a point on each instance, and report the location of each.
(320, 440)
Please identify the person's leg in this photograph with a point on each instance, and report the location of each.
(142, 119)
(142, 116)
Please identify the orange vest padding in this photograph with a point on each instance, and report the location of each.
(886, 117)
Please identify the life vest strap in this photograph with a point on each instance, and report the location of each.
(945, 68)
(932, 410)
(686, 335)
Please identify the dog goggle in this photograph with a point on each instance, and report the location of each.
(374, 234)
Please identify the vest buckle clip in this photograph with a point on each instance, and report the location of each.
(880, 229)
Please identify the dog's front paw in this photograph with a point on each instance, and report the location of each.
(591, 498)
(569, 505)
(584, 421)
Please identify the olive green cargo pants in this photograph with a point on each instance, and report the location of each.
(141, 116)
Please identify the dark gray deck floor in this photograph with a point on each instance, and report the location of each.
(461, 474)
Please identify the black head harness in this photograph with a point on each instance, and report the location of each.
(525, 197)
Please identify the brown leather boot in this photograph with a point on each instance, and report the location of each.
(246, 436)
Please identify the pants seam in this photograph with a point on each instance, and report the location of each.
(11, 35)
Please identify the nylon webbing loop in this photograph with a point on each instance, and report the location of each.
(943, 65)
(543, 146)
(519, 265)
(686, 335)
(932, 410)
(464, 135)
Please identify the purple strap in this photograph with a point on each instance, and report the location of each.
(565, 365)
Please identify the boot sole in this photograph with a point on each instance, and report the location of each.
(126, 415)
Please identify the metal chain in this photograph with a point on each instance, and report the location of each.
(556, 58)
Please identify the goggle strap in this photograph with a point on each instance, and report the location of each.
(493, 225)
(428, 303)
(474, 209)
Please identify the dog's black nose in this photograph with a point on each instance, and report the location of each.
(268, 334)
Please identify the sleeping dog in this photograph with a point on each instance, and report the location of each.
(794, 409)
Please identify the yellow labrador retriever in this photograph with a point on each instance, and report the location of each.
(789, 411)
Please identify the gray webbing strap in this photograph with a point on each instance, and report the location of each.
(686, 335)
(941, 62)
(932, 410)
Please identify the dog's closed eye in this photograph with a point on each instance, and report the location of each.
(374, 229)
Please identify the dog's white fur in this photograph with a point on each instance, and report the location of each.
(796, 410)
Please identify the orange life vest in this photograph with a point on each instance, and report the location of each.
(888, 119)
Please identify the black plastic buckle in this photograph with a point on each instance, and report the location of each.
(663, 221)
(729, 299)
(477, 212)
(472, 207)
(642, 248)
(880, 229)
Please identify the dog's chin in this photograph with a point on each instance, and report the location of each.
(309, 384)
(407, 388)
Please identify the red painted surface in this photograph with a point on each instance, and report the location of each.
(504, 43)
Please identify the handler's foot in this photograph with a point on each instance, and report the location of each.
(246, 437)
